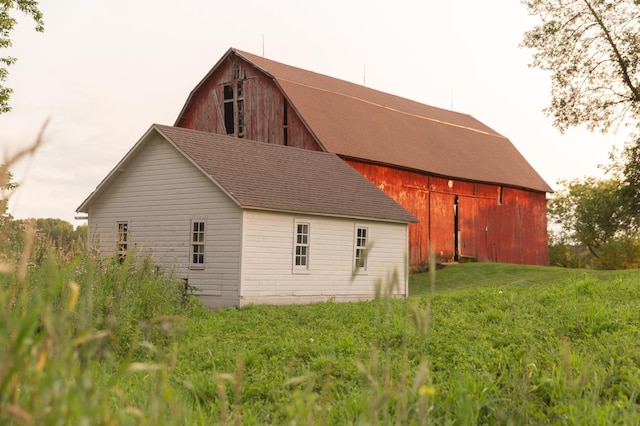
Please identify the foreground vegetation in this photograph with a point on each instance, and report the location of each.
(93, 341)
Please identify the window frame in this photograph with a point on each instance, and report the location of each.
(234, 108)
(301, 268)
(360, 248)
(122, 244)
(197, 242)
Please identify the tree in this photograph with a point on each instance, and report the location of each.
(595, 227)
(7, 23)
(592, 50)
(589, 212)
(630, 172)
(6, 185)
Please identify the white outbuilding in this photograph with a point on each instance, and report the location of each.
(248, 222)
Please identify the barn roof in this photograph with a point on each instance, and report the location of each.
(272, 177)
(358, 122)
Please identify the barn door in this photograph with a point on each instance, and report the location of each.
(442, 225)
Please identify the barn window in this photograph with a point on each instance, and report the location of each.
(197, 244)
(360, 255)
(228, 110)
(301, 246)
(123, 240)
(233, 95)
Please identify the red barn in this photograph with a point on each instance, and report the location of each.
(475, 195)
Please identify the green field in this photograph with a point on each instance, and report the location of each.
(486, 344)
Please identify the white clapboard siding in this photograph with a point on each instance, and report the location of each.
(268, 275)
(159, 193)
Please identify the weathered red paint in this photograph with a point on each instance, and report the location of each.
(494, 223)
(264, 108)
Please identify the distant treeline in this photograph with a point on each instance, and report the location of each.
(43, 235)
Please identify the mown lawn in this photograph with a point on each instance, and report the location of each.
(495, 344)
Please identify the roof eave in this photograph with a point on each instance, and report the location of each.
(202, 82)
(547, 188)
(334, 215)
(84, 207)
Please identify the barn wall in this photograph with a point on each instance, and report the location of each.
(264, 107)
(268, 275)
(497, 224)
(159, 193)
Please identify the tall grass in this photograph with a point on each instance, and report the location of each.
(88, 341)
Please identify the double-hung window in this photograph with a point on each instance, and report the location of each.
(197, 244)
(123, 240)
(360, 255)
(301, 246)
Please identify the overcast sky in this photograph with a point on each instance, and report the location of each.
(105, 70)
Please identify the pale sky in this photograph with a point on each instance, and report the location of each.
(105, 70)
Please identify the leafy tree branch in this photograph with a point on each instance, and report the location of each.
(7, 23)
(592, 50)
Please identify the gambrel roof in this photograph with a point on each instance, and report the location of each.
(272, 177)
(357, 122)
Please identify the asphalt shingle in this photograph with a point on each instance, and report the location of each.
(265, 176)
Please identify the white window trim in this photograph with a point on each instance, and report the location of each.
(202, 244)
(356, 248)
(301, 269)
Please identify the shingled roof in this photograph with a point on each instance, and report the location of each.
(358, 122)
(272, 177)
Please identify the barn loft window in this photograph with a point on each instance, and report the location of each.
(228, 110)
(301, 246)
(123, 240)
(362, 237)
(197, 244)
(233, 95)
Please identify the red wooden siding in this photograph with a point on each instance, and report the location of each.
(264, 107)
(513, 231)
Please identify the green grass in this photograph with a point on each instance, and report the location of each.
(492, 344)
(497, 344)
(478, 275)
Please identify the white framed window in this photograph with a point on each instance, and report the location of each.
(360, 252)
(122, 240)
(301, 246)
(197, 244)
